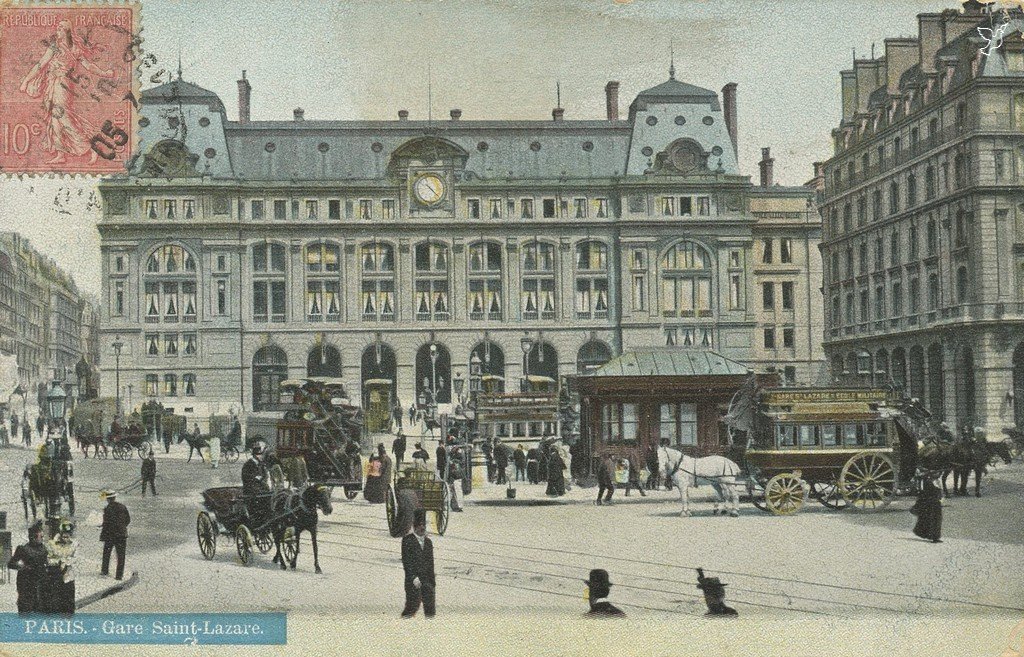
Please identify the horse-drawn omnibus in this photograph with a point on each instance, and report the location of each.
(836, 445)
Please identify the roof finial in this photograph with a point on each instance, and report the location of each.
(179, 62)
(558, 93)
(672, 60)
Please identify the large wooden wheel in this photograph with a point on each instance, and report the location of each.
(206, 535)
(830, 495)
(868, 481)
(289, 544)
(244, 543)
(390, 508)
(264, 540)
(785, 494)
(441, 515)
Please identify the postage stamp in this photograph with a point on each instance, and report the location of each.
(68, 87)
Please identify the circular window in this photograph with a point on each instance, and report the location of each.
(323, 147)
(717, 150)
(204, 122)
(482, 146)
(588, 146)
(680, 120)
(652, 120)
(647, 151)
(173, 122)
(376, 147)
(708, 120)
(143, 122)
(535, 146)
(270, 147)
(210, 153)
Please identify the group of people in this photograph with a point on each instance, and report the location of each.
(549, 461)
(611, 472)
(26, 430)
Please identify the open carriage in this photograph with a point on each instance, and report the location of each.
(418, 487)
(318, 438)
(227, 513)
(838, 446)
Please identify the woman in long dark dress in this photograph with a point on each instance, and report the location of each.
(373, 490)
(30, 562)
(929, 511)
(62, 549)
(556, 474)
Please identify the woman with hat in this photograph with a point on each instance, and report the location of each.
(598, 589)
(30, 562)
(928, 508)
(61, 550)
(714, 595)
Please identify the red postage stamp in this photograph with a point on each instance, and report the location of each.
(68, 87)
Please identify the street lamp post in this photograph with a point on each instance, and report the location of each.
(526, 342)
(118, 345)
(130, 396)
(433, 376)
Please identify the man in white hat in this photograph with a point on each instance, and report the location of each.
(114, 532)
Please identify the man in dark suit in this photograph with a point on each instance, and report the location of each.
(418, 562)
(598, 589)
(442, 460)
(605, 480)
(398, 449)
(714, 595)
(114, 533)
(149, 473)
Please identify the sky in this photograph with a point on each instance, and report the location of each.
(493, 59)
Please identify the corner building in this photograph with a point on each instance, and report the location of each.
(240, 253)
(924, 227)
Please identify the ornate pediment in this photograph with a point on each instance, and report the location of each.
(428, 152)
(169, 159)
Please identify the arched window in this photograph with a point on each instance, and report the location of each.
(269, 368)
(323, 360)
(431, 270)
(170, 285)
(911, 190)
(686, 281)
(485, 300)
(323, 267)
(591, 356)
(898, 369)
(591, 280)
(378, 282)
(268, 286)
(936, 382)
(538, 297)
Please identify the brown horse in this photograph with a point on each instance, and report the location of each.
(297, 510)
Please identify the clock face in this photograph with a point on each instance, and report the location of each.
(429, 189)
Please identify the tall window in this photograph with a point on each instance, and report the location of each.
(876, 205)
(894, 198)
(961, 284)
(268, 287)
(485, 300)
(932, 237)
(378, 282)
(786, 250)
(767, 253)
(686, 280)
(323, 301)
(897, 299)
(431, 301)
(118, 298)
(591, 280)
(911, 190)
(170, 285)
(929, 182)
(933, 291)
(538, 296)
(767, 296)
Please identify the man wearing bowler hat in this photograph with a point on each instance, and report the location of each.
(714, 595)
(114, 532)
(598, 589)
(418, 562)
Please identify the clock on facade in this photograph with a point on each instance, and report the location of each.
(429, 189)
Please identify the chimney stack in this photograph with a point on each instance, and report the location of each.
(611, 100)
(456, 114)
(767, 165)
(558, 114)
(244, 91)
(299, 114)
(729, 103)
(403, 115)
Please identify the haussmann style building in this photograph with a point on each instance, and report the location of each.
(240, 253)
(924, 227)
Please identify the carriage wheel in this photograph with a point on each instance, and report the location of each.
(755, 489)
(785, 494)
(206, 535)
(144, 448)
(289, 544)
(441, 515)
(868, 481)
(390, 504)
(350, 493)
(830, 495)
(244, 542)
(264, 540)
(119, 451)
(101, 453)
(230, 454)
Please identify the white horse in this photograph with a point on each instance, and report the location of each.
(685, 471)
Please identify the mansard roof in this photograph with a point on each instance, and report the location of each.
(181, 91)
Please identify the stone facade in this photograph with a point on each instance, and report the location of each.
(924, 231)
(238, 253)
